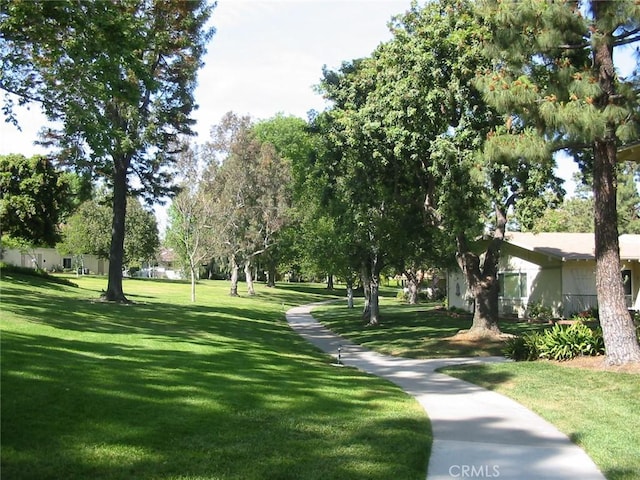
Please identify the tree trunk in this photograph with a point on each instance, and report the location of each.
(349, 293)
(271, 275)
(329, 282)
(482, 283)
(371, 273)
(193, 282)
(365, 279)
(234, 276)
(374, 301)
(248, 272)
(621, 343)
(114, 291)
(414, 279)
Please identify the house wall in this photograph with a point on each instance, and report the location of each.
(567, 287)
(456, 291)
(543, 282)
(49, 259)
(634, 266)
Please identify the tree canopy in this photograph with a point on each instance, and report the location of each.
(34, 196)
(554, 78)
(119, 79)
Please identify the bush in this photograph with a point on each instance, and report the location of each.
(6, 268)
(522, 348)
(557, 343)
(537, 311)
(567, 342)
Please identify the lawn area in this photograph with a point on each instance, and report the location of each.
(165, 389)
(424, 330)
(597, 409)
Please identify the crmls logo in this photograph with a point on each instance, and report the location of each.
(474, 471)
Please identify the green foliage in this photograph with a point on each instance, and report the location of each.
(33, 197)
(560, 342)
(538, 311)
(522, 347)
(7, 269)
(119, 78)
(88, 231)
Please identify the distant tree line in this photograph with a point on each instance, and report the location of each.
(446, 133)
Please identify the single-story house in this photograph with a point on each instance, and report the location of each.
(51, 260)
(556, 270)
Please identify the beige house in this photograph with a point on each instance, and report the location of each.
(49, 259)
(556, 270)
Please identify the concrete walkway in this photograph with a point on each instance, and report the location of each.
(476, 433)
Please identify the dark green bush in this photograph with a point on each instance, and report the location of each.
(560, 342)
(522, 348)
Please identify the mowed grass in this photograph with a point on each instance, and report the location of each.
(165, 389)
(599, 410)
(424, 330)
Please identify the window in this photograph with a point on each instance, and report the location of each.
(626, 281)
(66, 263)
(513, 285)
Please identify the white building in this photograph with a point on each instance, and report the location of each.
(51, 260)
(556, 270)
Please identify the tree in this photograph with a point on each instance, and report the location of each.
(628, 200)
(418, 125)
(292, 141)
(555, 80)
(190, 220)
(34, 195)
(88, 231)
(249, 189)
(120, 77)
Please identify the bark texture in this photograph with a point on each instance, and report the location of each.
(621, 343)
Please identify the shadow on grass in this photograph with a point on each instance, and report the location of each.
(156, 390)
(416, 331)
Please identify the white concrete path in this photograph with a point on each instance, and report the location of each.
(476, 433)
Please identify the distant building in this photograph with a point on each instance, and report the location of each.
(50, 259)
(556, 270)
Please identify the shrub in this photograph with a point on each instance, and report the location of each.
(557, 343)
(402, 296)
(522, 348)
(537, 311)
(567, 342)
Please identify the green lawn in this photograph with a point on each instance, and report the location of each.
(413, 331)
(598, 410)
(163, 389)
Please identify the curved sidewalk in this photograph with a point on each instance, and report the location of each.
(476, 433)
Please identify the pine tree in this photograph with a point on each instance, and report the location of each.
(556, 82)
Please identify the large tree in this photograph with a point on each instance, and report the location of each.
(88, 231)
(248, 181)
(555, 78)
(33, 197)
(415, 126)
(119, 78)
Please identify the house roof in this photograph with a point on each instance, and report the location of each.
(571, 246)
(629, 153)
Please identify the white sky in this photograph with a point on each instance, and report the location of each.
(265, 58)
